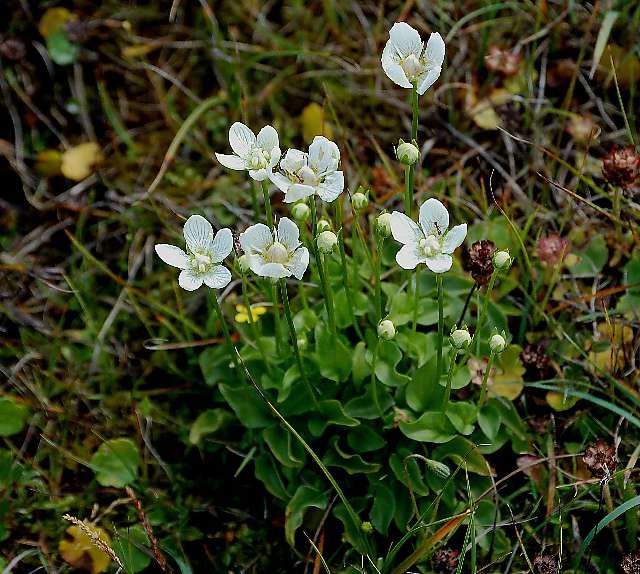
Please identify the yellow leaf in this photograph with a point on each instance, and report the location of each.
(508, 382)
(483, 114)
(48, 162)
(53, 20)
(626, 62)
(79, 161)
(313, 123)
(81, 548)
(558, 401)
(138, 50)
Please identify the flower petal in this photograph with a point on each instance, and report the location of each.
(434, 217)
(428, 79)
(198, 233)
(405, 39)
(434, 52)
(241, 138)
(298, 191)
(280, 181)
(256, 238)
(404, 229)
(172, 255)
(439, 263)
(454, 238)
(288, 234)
(324, 155)
(274, 270)
(231, 161)
(188, 280)
(267, 138)
(392, 67)
(293, 160)
(222, 245)
(258, 174)
(331, 187)
(299, 262)
(409, 256)
(218, 277)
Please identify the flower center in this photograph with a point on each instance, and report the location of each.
(277, 253)
(257, 158)
(201, 262)
(429, 246)
(307, 176)
(412, 66)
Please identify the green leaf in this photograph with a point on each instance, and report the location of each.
(489, 419)
(330, 412)
(341, 304)
(407, 470)
(304, 498)
(384, 507)
(364, 439)
(62, 51)
(389, 355)
(269, 474)
(364, 406)
(593, 258)
(288, 451)
(462, 416)
(10, 470)
(361, 368)
(214, 363)
(418, 346)
(208, 422)
(116, 462)
(463, 452)
(352, 463)
(12, 416)
(430, 427)
(423, 391)
(129, 544)
(332, 356)
(248, 406)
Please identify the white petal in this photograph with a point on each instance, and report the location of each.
(428, 79)
(222, 245)
(392, 67)
(324, 155)
(439, 263)
(299, 262)
(241, 139)
(267, 138)
(256, 238)
(218, 277)
(275, 157)
(405, 39)
(198, 233)
(274, 270)
(434, 52)
(188, 281)
(331, 187)
(454, 238)
(288, 234)
(293, 160)
(404, 229)
(172, 255)
(280, 181)
(434, 217)
(231, 161)
(298, 191)
(409, 256)
(258, 174)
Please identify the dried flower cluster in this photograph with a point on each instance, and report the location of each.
(600, 458)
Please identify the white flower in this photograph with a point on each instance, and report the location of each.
(278, 254)
(315, 173)
(497, 343)
(257, 154)
(407, 62)
(201, 261)
(431, 242)
(386, 330)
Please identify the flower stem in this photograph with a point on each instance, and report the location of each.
(378, 285)
(294, 340)
(374, 381)
(328, 298)
(410, 171)
(485, 308)
(447, 392)
(466, 303)
(408, 189)
(267, 203)
(276, 316)
(225, 330)
(440, 325)
(485, 378)
(414, 110)
(254, 200)
(416, 297)
(252, 323)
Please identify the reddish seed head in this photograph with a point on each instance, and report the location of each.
(631, 563)
(600, 458)
(478, 261)
(545, 564)
(621, 166)
(504, 62)
(552, 249)
(536, 361)
(445, 560)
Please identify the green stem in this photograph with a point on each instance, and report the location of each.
(276, 317)
(345, 270)
(485, 308)
(416, 297)
(447, 392)
(254, 200)
(440, 325)
(374, 381)
(378, 285)
(252, 323)
(408, 190)
(411, 170)
(328, 298)
(294, 341)
(485, 377)
(267, 203)
(414, 111)
(225, 330)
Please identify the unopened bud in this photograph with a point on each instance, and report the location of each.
(386, 330)
(460, 338)
(359, 201)
(323, 225)
(327, 241)
(300, 212)
(502, 260)
(497, 343)
(383, 225)
(407, 153)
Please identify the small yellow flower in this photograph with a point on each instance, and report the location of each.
(242, 315)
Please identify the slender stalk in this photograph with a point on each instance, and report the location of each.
(252, 323)
(294, 340)
(440, 325)
(378, 285)
(225, 330)
(414, 110)
(345, 271)
(410, 172)
(276, 317)
(485, 307)
(466, 304)
(416, 298)
(447, 392)
(374, 381)
(485, 377)
(254, 200)
(328, 297)
(616, 212)
(408, 189)
(267, 203)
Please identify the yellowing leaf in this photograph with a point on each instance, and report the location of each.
(80, 549)
(53, 20)
(558, 401)
(48, 162)
(626, 62)
(137, 50)
(313, 122)
(508, 382)
(482, 112)
(79, 161)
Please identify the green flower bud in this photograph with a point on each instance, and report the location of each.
(301, 212)
(383, 225)
(502, 260)
(243, 263)
(497, 343)
(386, 330)
(407, 153)
(303, 342)
(323, 225)
(367, 528)
(359, 201)
(327, 241)
(460, 338)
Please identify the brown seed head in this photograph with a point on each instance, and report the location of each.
(600, 458)
(545, 564)
(631, 563)
(445, 560)
(478, 261)
(621, 166)
(535, 360)
(552, 249)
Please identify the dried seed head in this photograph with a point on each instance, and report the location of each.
(545, 564)
(478, 368)
(13, 49)
(503, 62)
(552, 249)
(600, 458)
(478, 261)
(621, 166)
(583, 129)
(535, 360)
(631, 563)
(445, 560)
